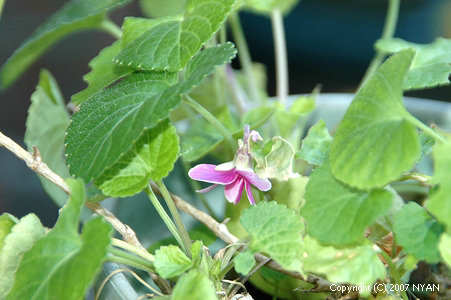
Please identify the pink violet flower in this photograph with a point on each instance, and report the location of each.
(234, 175)
(233, 179)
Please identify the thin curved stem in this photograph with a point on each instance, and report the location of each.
(388, 32)
(137, 251)
(186, 240)
(126, 258)
(111, 27)
(280, 47)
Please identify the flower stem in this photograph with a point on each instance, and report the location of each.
(123, 257)
(137, 251)
(212, 119)
(186, 240)
(110, 27)
(280, 48)
(388, 32)
(428, 130)
(394, 273)
(244, 56)
(164, 216)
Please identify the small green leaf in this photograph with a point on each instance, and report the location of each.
(21, 238)
(278, 163)
(7, 222)
(445, 248)
(194, 285)
(439, 203)
(430, 67)
(170, 261)
(359, 265)
(288, 120)
(158, 8)
(109, 123)
(376, 140)
(244, 262)
(63, 264)
(315, 147)
(267, 6)
(103, 73)
(74, 16)
(169, 43)
(46, 124)
(337, 214)
(275, 230)
(417, 232)
(152, 157)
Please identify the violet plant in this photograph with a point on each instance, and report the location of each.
(327, 216)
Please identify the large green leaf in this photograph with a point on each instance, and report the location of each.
(158, 8)
(445, 248)
(430, 67)
(315, 147)
(152, 157)
(359, 265)
(194, 285)
(337, 214)
(76, 15)
(46, 125)
(110, 122)
(170, 43)
(275, 230)
(22, 236)
(417, 232)
(63, 264)
(439, 203)
(103, 73)
(376, 140)
(267, 6)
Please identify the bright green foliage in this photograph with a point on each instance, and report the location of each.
(103, 73)
(63, 264)
(194, 285)
(278, 162)
(445, 248)
(133, 27)
(291, 192)
(288, 120)
(244, 262)
(158, 8)
(46, 125)
(375, 141)
(337, 214)
(109, 123)
(169, 43)
(431, 65)
(7, 221)
(439, 203)
(170, 261)
(417, 232)
(22, 236)
(315, 147)
(152, 157)
(275, 230)
(76, 15)
(267, 6)
(200, 233)
(359, 265)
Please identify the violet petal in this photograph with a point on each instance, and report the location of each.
(207, 173)
(262, 184)
(248, 188)
(207, 189)
(234, 190)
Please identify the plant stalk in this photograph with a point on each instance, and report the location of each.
(391, 20)
(137, 251)
(244, 56)
(186, 240)
(164, 216)
(131, 260)
(212, 119)
(428, 130)
(111, 28)
(394, 273)
(280, 47)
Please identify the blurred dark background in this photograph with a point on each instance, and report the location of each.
(329, 42)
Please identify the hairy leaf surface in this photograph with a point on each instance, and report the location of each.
(170, 261)
(46, 125)
(376, 140)
(74, 16)
(169, 43)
